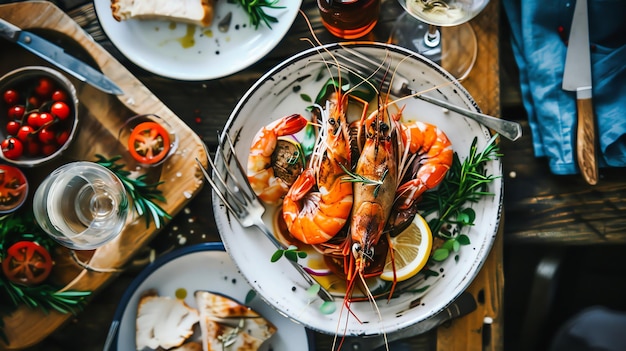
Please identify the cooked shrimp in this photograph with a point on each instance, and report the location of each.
(430, 153)
(316, 215)
(377, 166)
(265, 184)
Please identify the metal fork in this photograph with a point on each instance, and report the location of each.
(237, 195)
(365, 66)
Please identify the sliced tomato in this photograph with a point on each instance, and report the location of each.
(149, 142)
(27, 262)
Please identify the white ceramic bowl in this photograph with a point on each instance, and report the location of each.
(279, 93)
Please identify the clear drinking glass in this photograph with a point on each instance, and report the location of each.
(420, 29)
(82, 205)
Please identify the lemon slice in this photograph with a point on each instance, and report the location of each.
(411, 250)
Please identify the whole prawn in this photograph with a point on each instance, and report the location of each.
(316, 216)
(374, 191)
(426, 159)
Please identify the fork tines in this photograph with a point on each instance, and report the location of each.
(234, 191)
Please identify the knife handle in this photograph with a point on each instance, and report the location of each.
(586, 137)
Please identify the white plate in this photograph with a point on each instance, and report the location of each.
(201, 267)
(156, 45)
(279, 93)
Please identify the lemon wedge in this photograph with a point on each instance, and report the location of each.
(411, 250)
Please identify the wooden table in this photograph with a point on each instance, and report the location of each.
(206, 105)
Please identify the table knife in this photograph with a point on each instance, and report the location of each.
(577, 77)
(57, 56)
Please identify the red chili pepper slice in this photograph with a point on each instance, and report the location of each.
(149, 142)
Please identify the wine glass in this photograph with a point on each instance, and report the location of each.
(423, 24)
(82, 205)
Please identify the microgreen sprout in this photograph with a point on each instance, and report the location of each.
(291, 253)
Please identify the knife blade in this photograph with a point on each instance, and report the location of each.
(577, 77)
(57, 56)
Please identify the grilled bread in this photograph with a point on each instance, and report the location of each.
(198, 12)
(163, 322)
(229, 326)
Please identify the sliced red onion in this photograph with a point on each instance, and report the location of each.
(317, 272)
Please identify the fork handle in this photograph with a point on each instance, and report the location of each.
(509, 129)
(322, 293)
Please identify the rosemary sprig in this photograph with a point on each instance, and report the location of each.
(256, 12)
(45, 296)
(20, 226)
(143, 195)
(464, 183)
(357, 178)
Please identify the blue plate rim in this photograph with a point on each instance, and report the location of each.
(160, 261)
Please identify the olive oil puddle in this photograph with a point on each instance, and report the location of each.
(189, 39)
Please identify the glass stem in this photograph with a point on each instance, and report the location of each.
(432, 38)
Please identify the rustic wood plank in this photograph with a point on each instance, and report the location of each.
(483, 83)
(103, 115)
(544, 208)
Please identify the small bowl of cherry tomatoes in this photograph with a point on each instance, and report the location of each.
(38, 115)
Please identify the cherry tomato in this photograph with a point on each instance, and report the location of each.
(27, 263)
(33, 148)
(60, 109)
(149, 142)
(44, 88)
(34, 102)
(16, 112)
(13, 127)
(59, 95)
(49, 149)
(44, 119)
(33, 119)
(11, 97)
(25, 132)
(12, 148)
(46, 135)
(63, 137)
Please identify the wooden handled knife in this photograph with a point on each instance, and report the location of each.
(577, 77)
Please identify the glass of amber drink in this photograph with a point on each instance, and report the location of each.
(349, 19)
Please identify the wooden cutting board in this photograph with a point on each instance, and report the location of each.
(101, 117)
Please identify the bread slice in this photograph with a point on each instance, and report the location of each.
(163, 322)
(227, 325)
(198, 12)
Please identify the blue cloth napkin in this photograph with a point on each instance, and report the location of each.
(539, 34)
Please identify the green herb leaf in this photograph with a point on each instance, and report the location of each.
(142, 194)
(463, 239)
(328, 307)
(277, 255)
(313, 290)
(250, 296)
(256, 11)
(306, 98)
(440, 254)
(291, 253)
(465, 183)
